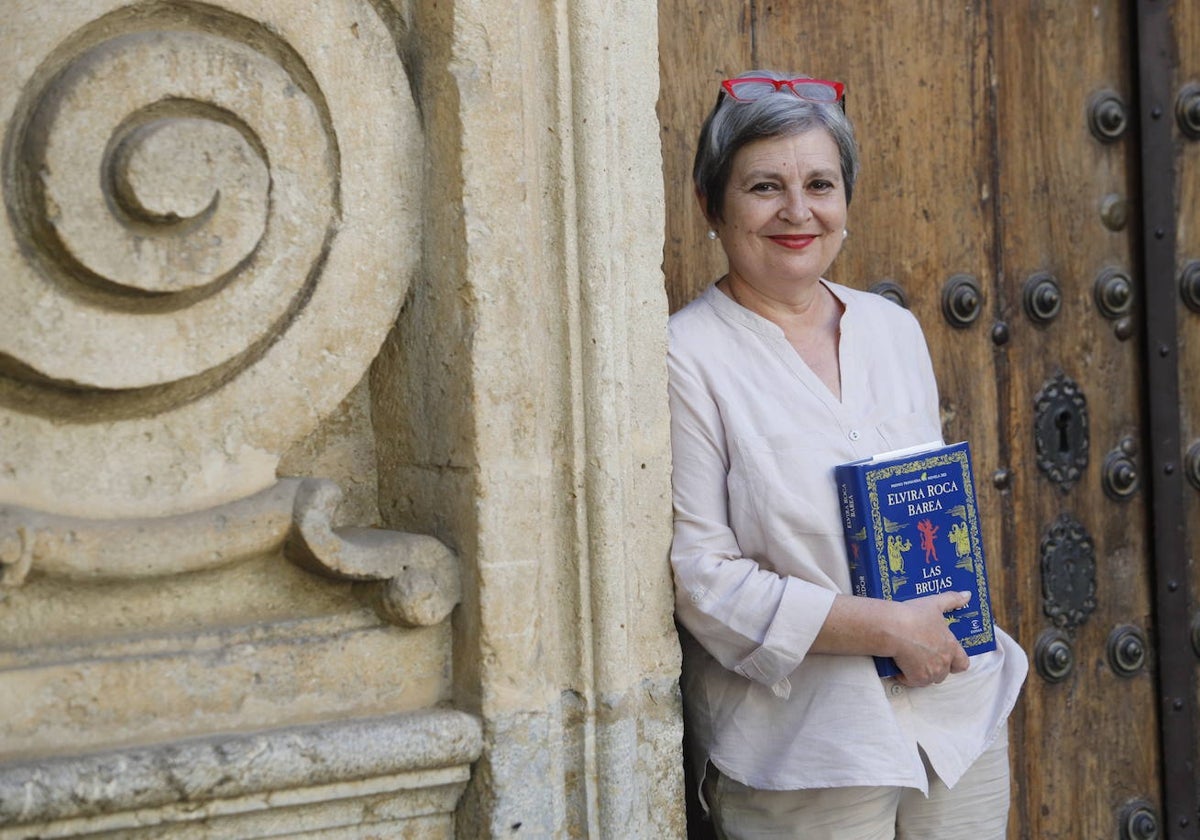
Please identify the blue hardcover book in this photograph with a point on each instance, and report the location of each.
(912, 529)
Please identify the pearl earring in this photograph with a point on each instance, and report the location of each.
(712, 234)
(845, 233)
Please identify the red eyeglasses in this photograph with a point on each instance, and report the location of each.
(814, 90)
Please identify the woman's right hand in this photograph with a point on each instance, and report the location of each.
(924, 648)
(914, 633)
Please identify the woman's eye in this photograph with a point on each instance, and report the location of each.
(763, 187)
(821, 186)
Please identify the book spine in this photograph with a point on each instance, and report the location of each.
(861, 554)
(852, 499)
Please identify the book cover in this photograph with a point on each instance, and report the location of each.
(912, 529)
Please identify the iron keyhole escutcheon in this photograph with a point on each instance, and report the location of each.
(1060, 431)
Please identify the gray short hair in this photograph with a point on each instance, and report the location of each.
(732, 124)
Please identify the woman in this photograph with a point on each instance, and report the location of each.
(776, 376)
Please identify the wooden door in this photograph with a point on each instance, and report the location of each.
(1001, 200)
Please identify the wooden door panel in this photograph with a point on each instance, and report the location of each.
(700, 44)
(922, 210)
(1089, 741)
(978, 161)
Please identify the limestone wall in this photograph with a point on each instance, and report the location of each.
(333, 460)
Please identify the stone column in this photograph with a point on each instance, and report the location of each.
(543, 257)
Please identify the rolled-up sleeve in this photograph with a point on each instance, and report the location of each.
(752, 620)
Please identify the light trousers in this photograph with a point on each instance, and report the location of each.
(977, 807)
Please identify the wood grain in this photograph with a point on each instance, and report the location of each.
(972, 120)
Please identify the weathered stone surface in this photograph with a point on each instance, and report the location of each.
(174, 325)
(281, 184)
(90, 696)
(188, 781)
(420, 576)
(116, 549)
(545, 328)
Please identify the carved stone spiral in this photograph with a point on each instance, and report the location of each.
(211, 221)
(177, 188)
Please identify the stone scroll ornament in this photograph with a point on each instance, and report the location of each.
(211, 220)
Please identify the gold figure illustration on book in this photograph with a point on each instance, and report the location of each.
(896, 546)
(960, 538)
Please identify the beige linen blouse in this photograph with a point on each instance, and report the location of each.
(758, 555)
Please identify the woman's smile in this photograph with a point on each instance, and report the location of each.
(793, 241)
(784, 213)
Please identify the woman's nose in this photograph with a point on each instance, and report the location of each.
(795, 207)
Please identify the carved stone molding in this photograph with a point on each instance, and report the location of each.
(122, 549)
(420, 575)
(357, 772)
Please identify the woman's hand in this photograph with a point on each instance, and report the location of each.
(925, 649)
(914, 633)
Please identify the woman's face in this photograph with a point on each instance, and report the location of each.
(785, 211)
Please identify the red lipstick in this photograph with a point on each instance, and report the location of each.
(796, 242)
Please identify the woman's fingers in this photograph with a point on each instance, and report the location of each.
(929, 651)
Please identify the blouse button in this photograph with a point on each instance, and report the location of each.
(854, 434)
(897, 689)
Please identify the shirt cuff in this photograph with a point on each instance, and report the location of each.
(801, 613)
